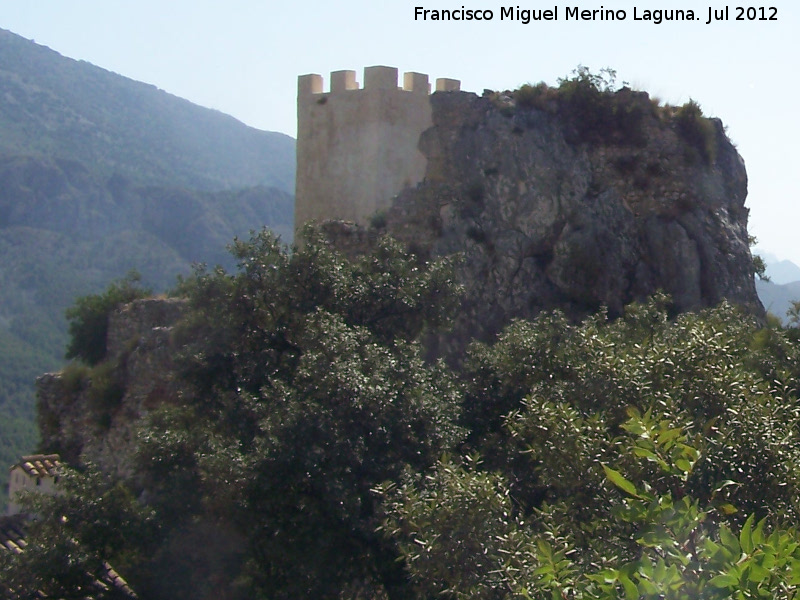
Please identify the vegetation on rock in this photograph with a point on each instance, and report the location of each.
(88, 318)
(598, 112)
(315, 452)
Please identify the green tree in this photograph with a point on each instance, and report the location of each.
(305, 387)
(462, 537)
(620, 459)
(716, 371)
(314, 451)
(94, 520)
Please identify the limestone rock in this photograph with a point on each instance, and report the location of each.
(91, 414)
(548, 220)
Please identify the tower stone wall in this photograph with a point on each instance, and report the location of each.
(357, 146)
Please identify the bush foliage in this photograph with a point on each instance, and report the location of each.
(88, 318)
(316, 453)
(597, 111)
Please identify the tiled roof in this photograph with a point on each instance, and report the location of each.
(12, 534)
(12, 537)
(40, 465)
(113, 580)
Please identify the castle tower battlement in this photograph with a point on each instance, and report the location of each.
(357, 146)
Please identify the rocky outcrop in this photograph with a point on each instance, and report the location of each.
(91, 414)
(549, 215)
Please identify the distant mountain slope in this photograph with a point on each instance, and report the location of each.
(777, 298)
(783, 287)
(100, 174)
(66, 197)
(780, 271)
(66, 231)
(56, 106)
(783, 271)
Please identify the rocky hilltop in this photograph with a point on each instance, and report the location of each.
(575, 199)
(553, 206)
(259, 417)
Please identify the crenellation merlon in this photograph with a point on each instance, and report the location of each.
(375, 78)
(448, 85)
(416, 82)
(342, 81)
(309, 84)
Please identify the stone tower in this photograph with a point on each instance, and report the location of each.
(357, 147)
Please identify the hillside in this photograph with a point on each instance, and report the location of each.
(777, 298)
(782, 286)
(55, 106)
(778, 270)
(100, 174)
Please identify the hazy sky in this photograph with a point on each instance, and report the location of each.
(243, 57)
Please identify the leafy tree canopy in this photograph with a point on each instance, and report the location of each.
(315, 452)
(305, 388)
(641, 458)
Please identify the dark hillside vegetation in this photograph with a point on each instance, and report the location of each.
(100, 174)
(65, 231)
(312, 452)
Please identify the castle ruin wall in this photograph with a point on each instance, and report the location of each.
(357, 147)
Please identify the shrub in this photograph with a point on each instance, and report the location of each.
(378, 220)
(74, 377)
(88, 318)
(601, 113)
(534, 96)
(697, 130)
(106, 391)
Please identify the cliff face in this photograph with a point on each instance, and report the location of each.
(91, 414)
(550, 212)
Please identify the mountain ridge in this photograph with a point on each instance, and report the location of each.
(780, 271)
(50, 102)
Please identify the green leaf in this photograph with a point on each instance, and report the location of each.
(645, 453)
(729, 540)
(726, 580)
(758, 532)
(746, 536)
(631, 591)
(724, 484)
(618, 480)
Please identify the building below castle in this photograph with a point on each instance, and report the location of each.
(37, 472)
(40, 473)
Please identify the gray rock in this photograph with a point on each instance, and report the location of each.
(92, 414)
(546, 220)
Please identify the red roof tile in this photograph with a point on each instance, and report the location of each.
(40, 465)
